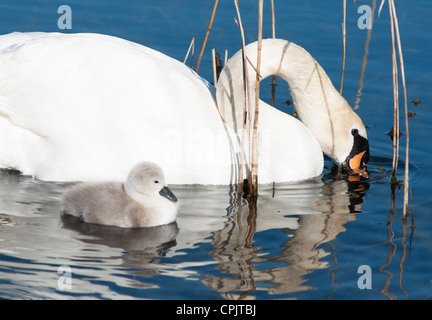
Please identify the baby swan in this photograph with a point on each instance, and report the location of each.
(142, 201)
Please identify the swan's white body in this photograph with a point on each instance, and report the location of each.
(88, 107)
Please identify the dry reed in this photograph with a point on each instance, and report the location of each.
(402, 68)
(396, 128)
(365, 55)
(253, 140)
(246, 105)
(214, 68)
(191, 47)
(273, 19)
(343, 45)
(206, 35)
(395, 38)
(255, 137)
(274, 37)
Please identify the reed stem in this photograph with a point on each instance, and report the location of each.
(273, 36)
(343, 45)
(273, 19)
(191, 47)
(206, 35)
(246, 106)
(214, 68)
(394, 25)
(255, 139)
(396, 128)
(402, 69)
(365, 55)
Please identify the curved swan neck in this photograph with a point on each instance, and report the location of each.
(316, 100)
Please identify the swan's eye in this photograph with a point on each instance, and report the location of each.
(156, 181)
(354, 132)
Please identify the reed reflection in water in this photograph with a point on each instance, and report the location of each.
(305, 221)
(218, 245)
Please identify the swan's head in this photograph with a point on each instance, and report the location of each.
(351, 146)
(146, 181)
(358, 157)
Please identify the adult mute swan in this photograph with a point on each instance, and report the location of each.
(90, 106)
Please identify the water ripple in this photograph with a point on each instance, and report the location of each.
(380, 170)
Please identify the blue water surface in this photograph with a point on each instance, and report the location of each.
(307, 240)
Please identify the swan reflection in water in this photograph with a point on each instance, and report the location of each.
(307, 219)
(299, 218)
(272, 248)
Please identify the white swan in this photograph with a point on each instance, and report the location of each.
(89, 106)
(142, 201)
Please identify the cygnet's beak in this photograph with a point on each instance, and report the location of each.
(167, 193)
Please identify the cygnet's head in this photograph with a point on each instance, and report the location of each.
(146, 180)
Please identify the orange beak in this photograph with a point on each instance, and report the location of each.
(357, 166)
(355, 162)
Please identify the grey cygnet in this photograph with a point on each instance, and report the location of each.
(143, 200)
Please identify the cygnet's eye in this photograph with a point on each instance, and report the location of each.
(156, 181)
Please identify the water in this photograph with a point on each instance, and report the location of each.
(306, 240)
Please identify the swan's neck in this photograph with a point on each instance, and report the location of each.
(316, 100)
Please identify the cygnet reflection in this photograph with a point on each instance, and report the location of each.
(143, 200)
